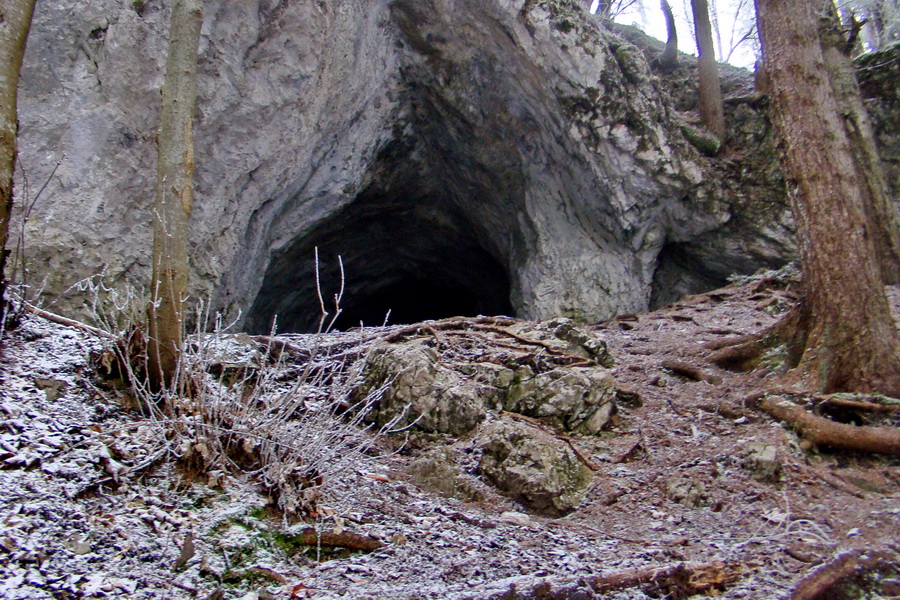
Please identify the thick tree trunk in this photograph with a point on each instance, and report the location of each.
(712, 110)
(174, 193)
(669, 58)
(882, 223)
(850, 342)
(15, 21)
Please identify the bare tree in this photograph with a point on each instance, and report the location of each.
(712, 110)
(841, 337)
(15, 22)
(669, 58)
(174, 193)
(877, 20)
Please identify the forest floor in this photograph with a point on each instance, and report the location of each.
(687, 474)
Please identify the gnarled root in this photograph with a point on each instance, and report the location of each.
(746, 352)
(824, 432)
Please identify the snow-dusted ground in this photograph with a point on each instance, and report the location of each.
(72, 525)
(80, 519)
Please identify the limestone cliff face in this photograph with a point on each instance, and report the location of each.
(459, 155)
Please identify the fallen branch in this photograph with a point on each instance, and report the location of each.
(680, 580)
(858, 404)
(60, 320)
(821, 581)
(353, 541)
(824, 432)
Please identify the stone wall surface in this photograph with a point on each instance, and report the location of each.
(515, 153)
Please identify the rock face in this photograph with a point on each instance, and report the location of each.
(461, 156)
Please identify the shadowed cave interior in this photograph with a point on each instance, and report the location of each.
(417, 256)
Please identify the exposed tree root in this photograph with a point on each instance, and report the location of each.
(822, 583)
(745, 353)
(680, 580)
(824, 432)
(690, 371)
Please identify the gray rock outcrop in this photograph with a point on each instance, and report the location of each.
(449, 380)
(462, 156)
(508, 391)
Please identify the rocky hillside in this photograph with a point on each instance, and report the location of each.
(523, 460)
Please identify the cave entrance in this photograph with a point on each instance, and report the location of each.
(417, 257)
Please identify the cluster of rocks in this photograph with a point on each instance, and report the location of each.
(506, 399)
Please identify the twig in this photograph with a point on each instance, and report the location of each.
(538, 425)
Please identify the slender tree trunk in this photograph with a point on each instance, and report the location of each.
(15, 21)
(881, 221)
(604, 8)
(669, 58)
(850, 339)
(174, 193)
(712, 110)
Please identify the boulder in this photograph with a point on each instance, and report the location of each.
(532, 466)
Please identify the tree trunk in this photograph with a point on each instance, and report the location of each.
(712, 111)
(882, 224)
(604, 8)
(15, 21)
(669, 58)
(850, 339)
(174, 194)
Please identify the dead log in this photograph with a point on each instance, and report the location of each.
(60, 320)
(679, 580)
(354, 541)
(820, 584)
(824, 432)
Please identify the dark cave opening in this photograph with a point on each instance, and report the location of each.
(418, 257)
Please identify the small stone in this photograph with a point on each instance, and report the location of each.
(516, 518)
(762, 461)
(853, 532)
(686, 491)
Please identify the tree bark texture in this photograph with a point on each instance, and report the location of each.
(881, 220)
(851, 343)
(15, 21)
(669, 58)
(174, 193)
(712, 110)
